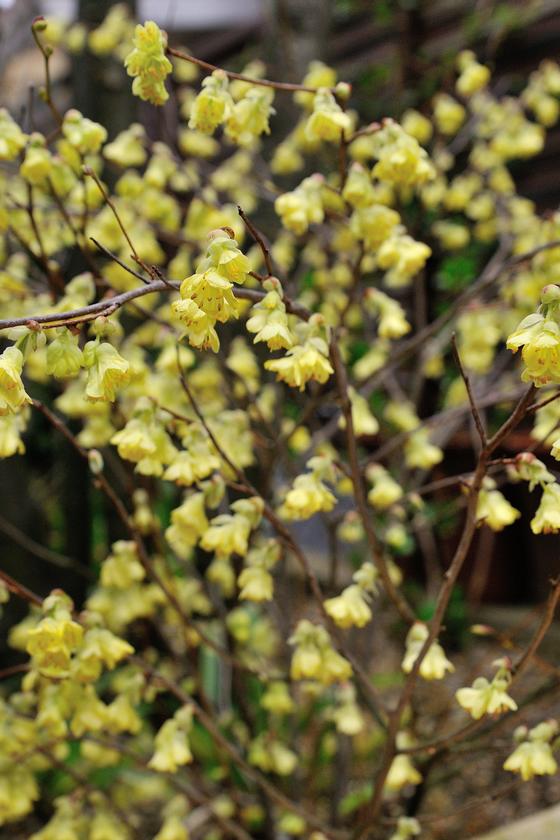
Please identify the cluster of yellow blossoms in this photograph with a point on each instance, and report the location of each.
(197, 643)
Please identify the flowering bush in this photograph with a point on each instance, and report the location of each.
(249, 383)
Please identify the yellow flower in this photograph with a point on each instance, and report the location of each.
(404, 257)
(547, 517)
(188, 524)
(487, 698)
(533, 757)
(307, 497)
(328, 121)
(12, 392)
(358, 189)
(417, 125)
(302, 363)
(314, 658)
(213, 105)
(449, 115)
(276, 699)
(250, 116)
(350, 608)
(64, 357)
(122, 568)
(474, 76)
(435, 663)
(85, 135)
(269, 319)
(148, 63)
(420, 453)
(540, 338)
(401, 773)
(271, 756)
(171, 742)
(401, 159)
(493, 509)
(385, 490)
(55, 638)
(127, 149)
(107, 371)
(11, 426)
(301, 207)
(373, 224)
(392, 320)
(255, 581)
(144, 441)
(12, 138)
(99, 648)
(37, 164)
(229, 534)
(407, 827)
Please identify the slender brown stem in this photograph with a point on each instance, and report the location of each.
(293, 546)
(46, 52)
(205, 65)
(259, 239)
(100, 481)
(20, 590)
(275, 794)
(376, 551)
(120, 262)
(110, 203)
(474, 409)
(449, 579)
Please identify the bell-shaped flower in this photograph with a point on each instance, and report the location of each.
(434, 664)
(547, 517)
(12, 392)
(488, 698)
(107, 371)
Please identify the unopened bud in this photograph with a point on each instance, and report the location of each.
(95, 460)
(551, 294)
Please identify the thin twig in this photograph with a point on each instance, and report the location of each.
(46, 52)
(87, 170)
(120, 262)
(474, 410)
(404, 610)
(259, 239)
(205, 65)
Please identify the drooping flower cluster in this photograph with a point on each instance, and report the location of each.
(207, 296)
(148, 63)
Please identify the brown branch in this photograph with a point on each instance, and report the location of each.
(259, 239)
(540, 633)
(39, 550)
(100, 481)
(285, 535)
(20, 590)
(205, 65)
(120, 262)
(474, 410)
(87, 170)
(449, 579)
(376, 551)
(275, 794)
(46, 52)
(489, 275)
(442, 744)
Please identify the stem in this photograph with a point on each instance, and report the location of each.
(404, 610)
(259, 239)
(449, 579)
(205, 65)
(46, 52)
